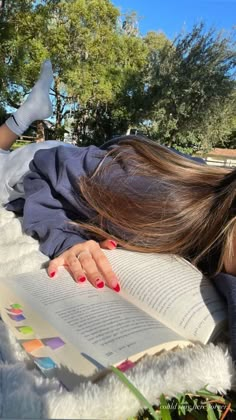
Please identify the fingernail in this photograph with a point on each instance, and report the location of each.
(100, 284)
(117, 288)
(52, 274)
(81, 279)
(115, 285)
(113, 243)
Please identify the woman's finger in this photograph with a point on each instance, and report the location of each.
(108, 244)
(79, 278)
(54, 265)
(75, 268)
(89, 266)
(105, 268)
(88, 260)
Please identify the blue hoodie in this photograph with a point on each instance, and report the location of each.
(52, 197)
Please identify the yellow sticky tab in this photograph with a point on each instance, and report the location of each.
(26, 330)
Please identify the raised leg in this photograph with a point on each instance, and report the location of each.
(7, 137)
(36, 107)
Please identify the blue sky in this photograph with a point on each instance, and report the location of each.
(170, 16)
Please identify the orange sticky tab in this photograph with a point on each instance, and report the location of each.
(32, 345)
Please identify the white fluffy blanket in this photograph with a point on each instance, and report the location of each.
(24, 393)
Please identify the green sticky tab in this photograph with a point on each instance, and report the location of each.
(26, 330)
(16, 306)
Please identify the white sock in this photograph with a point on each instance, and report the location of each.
(37, 106)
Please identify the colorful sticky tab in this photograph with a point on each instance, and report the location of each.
(26, 330)
(15, 311)
(45, 363)
(127, 364)
(16, 317)
(16, 306)
(32, 345)
(53, 342)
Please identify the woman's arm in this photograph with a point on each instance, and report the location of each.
(52, 198)
(52, 201)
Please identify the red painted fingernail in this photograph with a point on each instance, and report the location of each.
(52, 274)
(113, 243)
(100, 284)
(117, 288)
(81, 279)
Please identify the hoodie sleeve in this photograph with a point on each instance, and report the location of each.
(52, 199)
(226, 285)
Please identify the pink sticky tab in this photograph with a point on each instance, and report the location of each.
(127, 364)
(16, 311)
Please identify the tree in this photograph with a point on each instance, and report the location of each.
(108, 78)
(131, 101)
(13, 51)
(228, 123)
(187, 85)
(90, 54)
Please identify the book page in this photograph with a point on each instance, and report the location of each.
(99, 323)
(171, 290)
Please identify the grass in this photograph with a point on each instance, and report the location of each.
(19, 143)
(202, 405)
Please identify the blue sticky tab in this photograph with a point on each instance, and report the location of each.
(16, 317)
(45, 363)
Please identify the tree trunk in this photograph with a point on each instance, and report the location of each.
(2, 4)
(58, 108)
(40, 132)
(171, 140)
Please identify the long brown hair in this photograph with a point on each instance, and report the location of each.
(150, 199)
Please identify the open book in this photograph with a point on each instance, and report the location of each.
(66, 327)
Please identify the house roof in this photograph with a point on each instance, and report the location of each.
(229, 153)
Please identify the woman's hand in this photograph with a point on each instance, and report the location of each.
(86, 260)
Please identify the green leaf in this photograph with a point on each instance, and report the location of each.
(219, 410)
(179, 397)
(136, 392)
(182, 409)
(210, 413)
(182, 406)
(165, 412)
(207, 394)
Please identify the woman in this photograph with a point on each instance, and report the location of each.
(131, 191)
